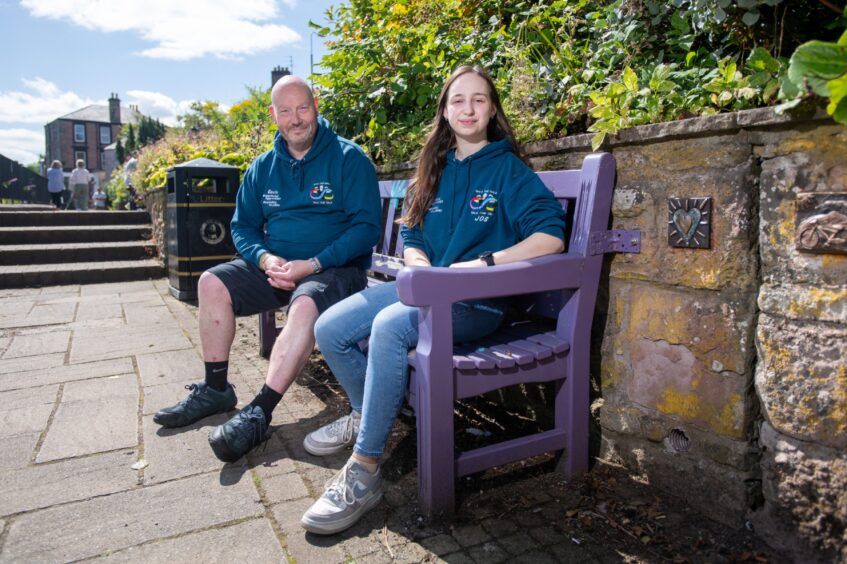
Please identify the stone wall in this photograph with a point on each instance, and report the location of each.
(156, 201)
(720, 374)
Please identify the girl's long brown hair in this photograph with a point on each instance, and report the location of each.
(441, 139)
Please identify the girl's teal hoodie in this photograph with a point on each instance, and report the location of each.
(486, 202)
(325, 205)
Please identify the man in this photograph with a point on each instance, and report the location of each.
(80, 182)
(307, 216)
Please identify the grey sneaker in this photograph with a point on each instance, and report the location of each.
(203, 401)
(349, 495)
(334, 437)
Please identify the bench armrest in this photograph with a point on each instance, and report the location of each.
(426, 286)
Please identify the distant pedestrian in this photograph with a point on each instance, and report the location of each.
(80, 181)
(99, 199)
(56, 183)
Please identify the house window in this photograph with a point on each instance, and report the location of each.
(79, 133)
(102, 160)
(79, 155)
(105, 134)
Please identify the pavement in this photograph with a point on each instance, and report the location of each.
(85, 474)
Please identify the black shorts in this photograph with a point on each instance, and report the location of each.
(251, 294)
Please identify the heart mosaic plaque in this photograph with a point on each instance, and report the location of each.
(690, 222)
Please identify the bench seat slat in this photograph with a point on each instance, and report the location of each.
(558, 345)
(538, 350)
(520, 355)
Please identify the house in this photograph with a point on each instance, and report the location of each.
(86, 134)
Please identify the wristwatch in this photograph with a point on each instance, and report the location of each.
(487, 257)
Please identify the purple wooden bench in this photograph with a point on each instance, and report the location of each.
(561, 287)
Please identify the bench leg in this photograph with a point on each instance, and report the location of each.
(436, 458)
(572, 411)
(267, 332)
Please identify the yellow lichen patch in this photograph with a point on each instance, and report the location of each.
(793, 145)
(839, 411)
(678, 403)
(691, 407)
(815, 301)
(830, 262)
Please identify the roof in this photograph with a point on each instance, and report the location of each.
(100, 113)
(203, 162)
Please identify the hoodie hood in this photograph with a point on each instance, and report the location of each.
(490, 151)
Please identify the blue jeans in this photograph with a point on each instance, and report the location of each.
(376, 384)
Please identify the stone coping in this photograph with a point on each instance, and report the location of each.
(690, 127)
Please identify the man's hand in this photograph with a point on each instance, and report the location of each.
(286, 276)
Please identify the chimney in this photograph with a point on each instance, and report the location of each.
(278, 73)
(114, 109)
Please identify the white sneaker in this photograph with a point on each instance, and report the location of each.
(334, 437)
(349, 495)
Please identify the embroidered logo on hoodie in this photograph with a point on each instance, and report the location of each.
(271, 198)
(321, 194)
(483, 205)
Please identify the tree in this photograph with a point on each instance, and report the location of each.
(131, 143)
(120, 151)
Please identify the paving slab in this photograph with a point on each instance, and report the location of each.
(24, 420)
(94, 527)
(28, 397)
(90, 311)
(38, 344)
(250, 541)
(148, 312)
(106, 343)
(176, 453)
(303, 546)
(94, 416)
(284, 487)
(57, 373)
(182, 366)
(17, 365)
(55, 314)
(16, 451)
(16, 306)
(42, 485)
(120, 288)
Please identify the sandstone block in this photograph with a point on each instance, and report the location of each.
(801, 379)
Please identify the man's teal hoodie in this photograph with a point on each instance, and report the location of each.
(325, 205)
(486, 202)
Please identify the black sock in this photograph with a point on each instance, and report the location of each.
(267, 400)
(216, 373)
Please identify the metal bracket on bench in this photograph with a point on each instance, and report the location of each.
(614, 241)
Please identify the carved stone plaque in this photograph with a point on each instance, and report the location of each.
(690, 222)
(820, 224)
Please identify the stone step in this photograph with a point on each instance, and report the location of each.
(76, 252)
(72, 234)
(54, 217)
(23, 276)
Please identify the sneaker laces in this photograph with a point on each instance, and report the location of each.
(194, 389)
(343, 426)
(339, 489)
(253, 429)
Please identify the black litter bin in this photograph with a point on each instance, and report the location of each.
(201, 201)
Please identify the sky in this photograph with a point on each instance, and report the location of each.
(57, 56)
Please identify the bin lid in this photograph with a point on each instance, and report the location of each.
(203, 162)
